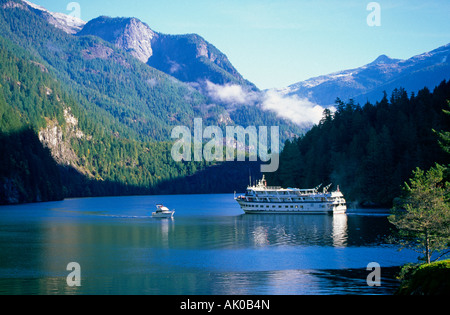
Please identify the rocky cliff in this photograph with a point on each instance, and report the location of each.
(189, 58)
(129, 34)
(57, 138)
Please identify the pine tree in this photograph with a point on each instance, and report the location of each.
(423, 215)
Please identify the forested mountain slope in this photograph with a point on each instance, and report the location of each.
(105, 116)
(369, 150)
(36, 111)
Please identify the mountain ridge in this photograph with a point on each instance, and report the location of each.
(203, 63)
(187, 57)
(206, 63)
(367, 83)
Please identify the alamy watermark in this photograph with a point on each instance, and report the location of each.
(374, 278)
(74, 278)
(374, 17)
(235, 142)
(75, 10)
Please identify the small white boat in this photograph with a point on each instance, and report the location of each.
(162, 212)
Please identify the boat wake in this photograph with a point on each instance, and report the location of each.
(129, 216)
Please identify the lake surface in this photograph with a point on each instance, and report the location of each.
(210, 248)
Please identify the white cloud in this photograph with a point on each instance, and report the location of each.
(230, 94)
(299, 110)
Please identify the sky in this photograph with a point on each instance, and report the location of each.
(278, 43)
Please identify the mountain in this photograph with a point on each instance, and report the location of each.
(104, 115)
(368, 82)
(126, 96)
(189, 58)
(103, 65)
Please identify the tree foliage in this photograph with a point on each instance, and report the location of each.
(28, 172)
(422, 216)
(370, 150)
(444, 136)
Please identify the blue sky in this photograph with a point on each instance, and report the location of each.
(277, 43)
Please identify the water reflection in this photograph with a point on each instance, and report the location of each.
(340, 230)
(32, 286)
(210, 247)
(260, 236)
(165, 227)
(291, 229)
(147, 246)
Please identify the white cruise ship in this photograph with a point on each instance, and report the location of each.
(261, 198)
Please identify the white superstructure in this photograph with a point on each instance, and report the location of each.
(263, 199)
(162, 212)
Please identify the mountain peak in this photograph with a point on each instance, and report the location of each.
(383, 59)
(129, 34)
(69, 24)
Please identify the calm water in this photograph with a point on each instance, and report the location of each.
(209, 247)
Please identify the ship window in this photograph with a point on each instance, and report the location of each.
(296, 207)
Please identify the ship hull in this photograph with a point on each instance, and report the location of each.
(291, 208)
